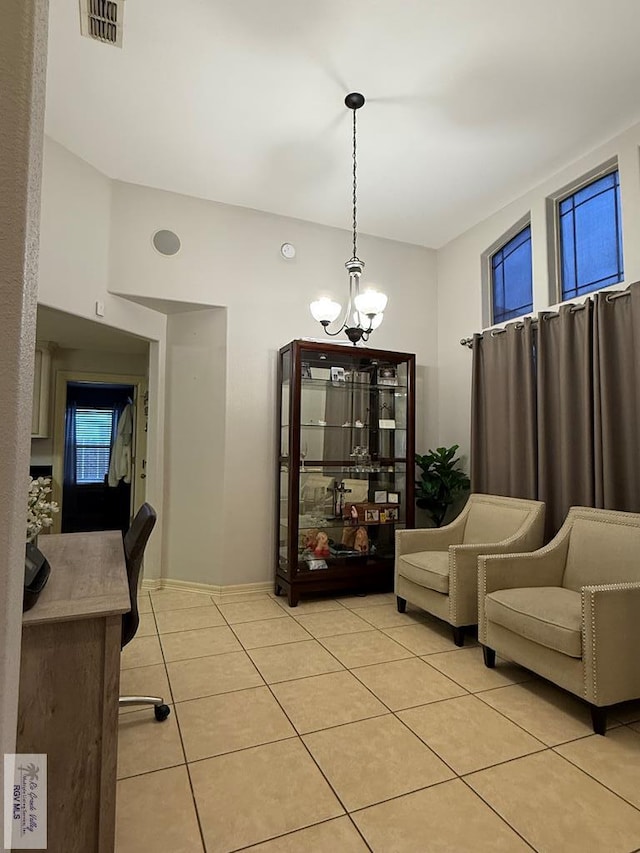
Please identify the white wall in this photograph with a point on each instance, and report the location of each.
(459, 273)
(74, 246)
(230, 258)
(195, 446)
(74, 275)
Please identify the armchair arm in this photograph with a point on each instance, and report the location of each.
(610, 640)
(463, 572)
(513, 571)
(544, 567)
(430, 538)
(541, 567)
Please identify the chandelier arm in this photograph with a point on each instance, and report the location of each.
(333, 334)
(345, 318)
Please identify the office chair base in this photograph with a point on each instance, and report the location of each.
(161, 710)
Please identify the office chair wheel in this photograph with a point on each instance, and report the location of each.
(161, 712)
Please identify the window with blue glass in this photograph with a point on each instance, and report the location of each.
(591, 237)
(511, 278)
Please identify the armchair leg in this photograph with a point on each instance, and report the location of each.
(458, 635)
(599, 719)
(402, 604)
(489, 656)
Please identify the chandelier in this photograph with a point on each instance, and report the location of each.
(364, 310)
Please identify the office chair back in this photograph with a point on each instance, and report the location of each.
(135, 541)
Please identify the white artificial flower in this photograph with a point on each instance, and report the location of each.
(39, 508)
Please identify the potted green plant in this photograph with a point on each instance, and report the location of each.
(441, 482)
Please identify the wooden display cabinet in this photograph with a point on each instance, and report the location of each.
(345, 466)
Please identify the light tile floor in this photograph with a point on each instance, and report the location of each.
(341, 726)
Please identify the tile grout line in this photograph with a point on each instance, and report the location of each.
(520, 725)
(296, 735)
(549, 749)
(587, 773)
(293, 831)
(544, 747)
(462, 777)
(412, 654)
(513, 722)
(497, 813)
(270, 645)
(186, 765)
(195, 803)
(184, 752)
(345, 669)
(320, 770)
(477, 694)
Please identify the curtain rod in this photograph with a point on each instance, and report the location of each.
(468, 342)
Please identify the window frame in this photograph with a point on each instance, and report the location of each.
(555, 200)
(487, 271)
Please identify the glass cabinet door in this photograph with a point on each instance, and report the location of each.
(346, 435)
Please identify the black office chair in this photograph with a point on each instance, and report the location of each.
(135, 541)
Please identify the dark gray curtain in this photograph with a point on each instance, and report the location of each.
(503, 423)
(556, 412)
(617, 395)
(565, 411)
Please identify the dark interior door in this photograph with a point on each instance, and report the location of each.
(93, 412)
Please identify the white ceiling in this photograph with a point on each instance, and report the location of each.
(469, 103)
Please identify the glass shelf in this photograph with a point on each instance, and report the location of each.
(340, 524)
(311, 466)
(349, 426)
(348, 386)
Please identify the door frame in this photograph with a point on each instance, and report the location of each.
(138, 473)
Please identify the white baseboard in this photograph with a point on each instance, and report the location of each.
(221, 594)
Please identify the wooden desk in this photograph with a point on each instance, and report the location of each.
(69, 682)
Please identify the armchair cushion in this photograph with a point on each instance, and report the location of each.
(426, 568)
(547, 615)
(492, 522)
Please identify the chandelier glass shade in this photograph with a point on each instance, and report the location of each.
(365, 310)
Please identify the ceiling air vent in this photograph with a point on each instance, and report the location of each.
(102, 20)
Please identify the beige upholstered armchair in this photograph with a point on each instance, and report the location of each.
(570, 611)
(437, 568)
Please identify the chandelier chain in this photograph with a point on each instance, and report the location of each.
(370, 304)
(355, 185)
